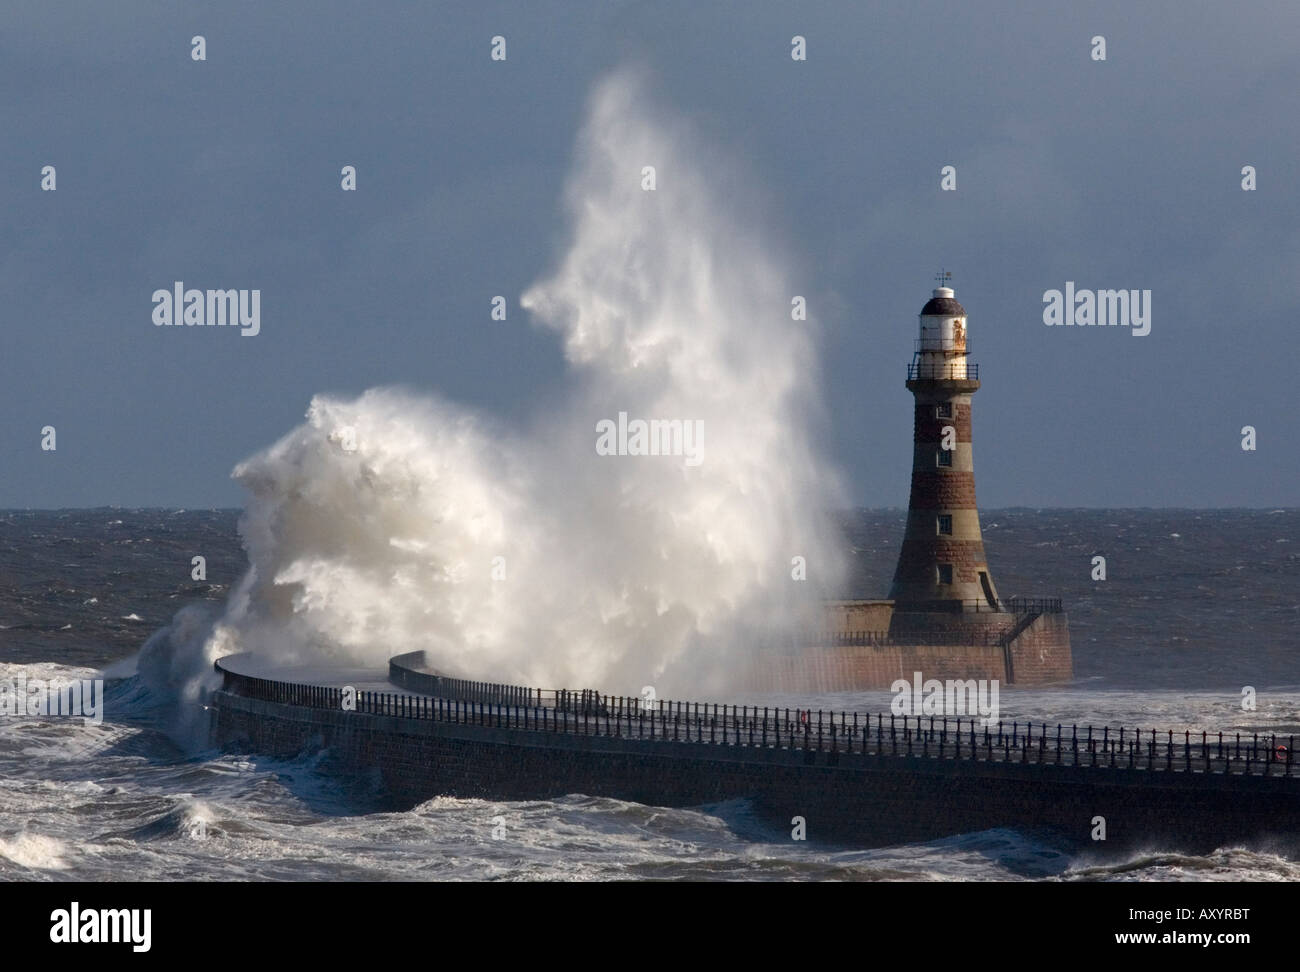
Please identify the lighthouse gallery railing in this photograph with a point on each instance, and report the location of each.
(924, 370)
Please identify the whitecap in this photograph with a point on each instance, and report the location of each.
(34, 851)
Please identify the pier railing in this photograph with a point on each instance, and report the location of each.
(882, 639)
(1032, 605)
(980, 605)
(1021, 606)
(851, 735)
(403, 670)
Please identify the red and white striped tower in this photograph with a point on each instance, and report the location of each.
(941, 567)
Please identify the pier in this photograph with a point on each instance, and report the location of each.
(860, 779)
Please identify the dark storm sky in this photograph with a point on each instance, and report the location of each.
(1122, 174)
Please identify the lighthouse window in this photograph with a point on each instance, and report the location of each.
(943, 411)
(944, 457)
(945, 524)
(945, 573)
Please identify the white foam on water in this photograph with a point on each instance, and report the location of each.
(34, 851)
(376, 526)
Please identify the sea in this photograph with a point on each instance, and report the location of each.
(1198, 610)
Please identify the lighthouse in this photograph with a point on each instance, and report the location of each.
(943, 618)
(941, 567)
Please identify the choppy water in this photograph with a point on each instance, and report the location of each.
(1196, 605)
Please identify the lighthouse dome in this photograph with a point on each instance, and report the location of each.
(942, 304)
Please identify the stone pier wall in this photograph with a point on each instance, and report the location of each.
(1038, 655)
(863, 800)
(855, 668)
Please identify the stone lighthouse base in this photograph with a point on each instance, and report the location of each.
(1027, 645)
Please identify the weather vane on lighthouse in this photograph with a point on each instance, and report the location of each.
(943, 276)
